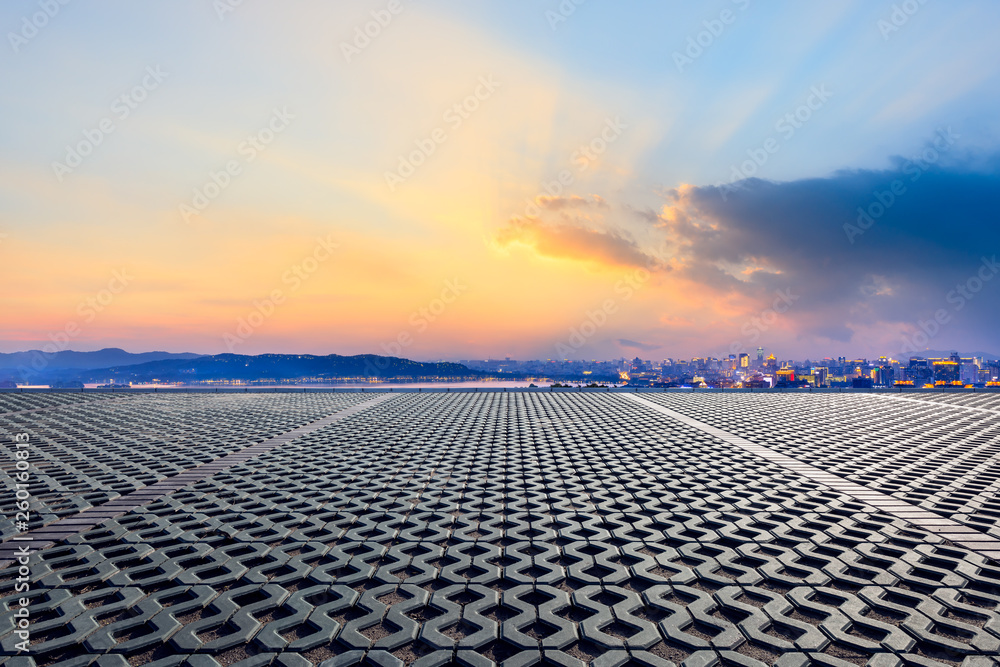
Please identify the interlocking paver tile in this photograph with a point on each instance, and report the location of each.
(512, 528)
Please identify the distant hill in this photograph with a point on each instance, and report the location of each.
(37, 365)
(276, 367)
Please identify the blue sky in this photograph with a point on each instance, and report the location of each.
(873, 84)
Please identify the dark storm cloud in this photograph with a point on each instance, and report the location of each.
(860, 247)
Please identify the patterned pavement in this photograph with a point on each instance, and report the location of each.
(505, 528)
(937, 452)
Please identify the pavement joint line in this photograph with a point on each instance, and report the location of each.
(74, 524)
(944, 527)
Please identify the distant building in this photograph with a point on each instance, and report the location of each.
(771, 363)
(785, 378)
(946, 371)
(968, 373)
(919, 372)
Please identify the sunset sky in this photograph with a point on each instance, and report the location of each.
(199, 176)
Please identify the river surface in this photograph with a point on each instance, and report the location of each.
(499, 384)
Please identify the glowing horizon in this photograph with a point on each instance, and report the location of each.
(480, 182)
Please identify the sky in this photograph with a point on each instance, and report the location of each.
(444, 180)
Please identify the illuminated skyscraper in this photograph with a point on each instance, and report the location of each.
(771, 363)
(946, 371)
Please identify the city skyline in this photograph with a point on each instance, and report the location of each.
(49, 352)
(763, 370)
(114, 367)
(546, 180)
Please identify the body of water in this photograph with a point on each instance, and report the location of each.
(500, 384)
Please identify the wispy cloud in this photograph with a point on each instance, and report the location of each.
(566, 241)
(636, 345)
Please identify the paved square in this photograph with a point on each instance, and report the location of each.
(508, 528)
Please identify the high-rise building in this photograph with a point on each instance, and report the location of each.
(744, 360)
(786, 375)
(884, 375)
(919, 372)
(771, 363)
(946, 371)
(968, 373)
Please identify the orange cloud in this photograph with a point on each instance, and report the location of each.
(611, 248)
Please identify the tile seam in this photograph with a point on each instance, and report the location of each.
(74, 523)
(880, 502)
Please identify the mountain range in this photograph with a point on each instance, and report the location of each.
(66, 359)
(90, 367)
(278, 367)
